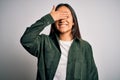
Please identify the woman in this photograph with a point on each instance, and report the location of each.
(62, 55)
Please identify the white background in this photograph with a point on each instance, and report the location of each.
(99, 22)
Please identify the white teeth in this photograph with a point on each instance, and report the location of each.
(62, 24)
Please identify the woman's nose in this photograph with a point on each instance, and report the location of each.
(63, 20)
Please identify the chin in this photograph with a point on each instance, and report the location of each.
(65, 31)
(61, 31)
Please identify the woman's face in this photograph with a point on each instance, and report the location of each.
(65, 25)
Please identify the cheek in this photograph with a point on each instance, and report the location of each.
(56, 23)
(70, 19)
(71, 22)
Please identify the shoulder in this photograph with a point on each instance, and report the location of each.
(85, 43)
(44, 36)
(86, 47)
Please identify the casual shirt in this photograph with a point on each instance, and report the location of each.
(61, 70)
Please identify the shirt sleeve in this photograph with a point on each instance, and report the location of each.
(31, 39)
(91, 66)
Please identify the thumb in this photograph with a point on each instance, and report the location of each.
(53, 9)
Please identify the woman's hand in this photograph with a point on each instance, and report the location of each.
(57, 15)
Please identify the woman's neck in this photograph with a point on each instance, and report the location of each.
(65, 37)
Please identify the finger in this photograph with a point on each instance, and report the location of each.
(64, 14)
(53, 9)
(63, 17)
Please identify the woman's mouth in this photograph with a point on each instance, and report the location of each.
(63, 24)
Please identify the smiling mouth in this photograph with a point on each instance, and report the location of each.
(63, 24)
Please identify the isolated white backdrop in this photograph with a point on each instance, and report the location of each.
(99, 22)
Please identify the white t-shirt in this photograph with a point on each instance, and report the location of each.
(61, 69)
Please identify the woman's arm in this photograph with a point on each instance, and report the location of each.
(31, 38)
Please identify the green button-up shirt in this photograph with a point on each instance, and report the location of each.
(80, 65)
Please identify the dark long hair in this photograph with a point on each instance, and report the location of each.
(75, 27)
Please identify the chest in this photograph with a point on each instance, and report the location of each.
(76, 62)
(72, 51)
